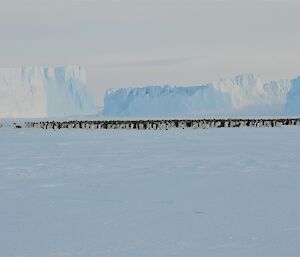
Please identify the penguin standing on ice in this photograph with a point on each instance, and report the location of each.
(17, 126)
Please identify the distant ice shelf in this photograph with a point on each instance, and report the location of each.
(38, 92)
(246, 94)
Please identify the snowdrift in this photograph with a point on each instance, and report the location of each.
(243, 95)
(37, 92)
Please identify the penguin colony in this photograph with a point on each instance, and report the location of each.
(163, 124)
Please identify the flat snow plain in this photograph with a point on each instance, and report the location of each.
(216, 192)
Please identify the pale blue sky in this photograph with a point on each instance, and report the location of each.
(153, 42)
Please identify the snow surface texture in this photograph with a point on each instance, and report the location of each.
(244, 94)
(216, 192)
(36, 92)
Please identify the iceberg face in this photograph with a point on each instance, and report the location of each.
(245, 95)
(36, 92)
(252, 95)
(293, 99)
(163, 101)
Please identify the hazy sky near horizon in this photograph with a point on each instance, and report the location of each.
(132, 43)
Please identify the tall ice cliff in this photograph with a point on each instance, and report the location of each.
(245, 94)
(38, 92)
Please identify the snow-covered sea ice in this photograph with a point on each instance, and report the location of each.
(216, 192)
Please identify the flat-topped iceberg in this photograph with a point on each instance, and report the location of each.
(37, 92)
(243, 95)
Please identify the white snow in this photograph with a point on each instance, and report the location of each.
(37, 92)
(244, 94)
(216, 192)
